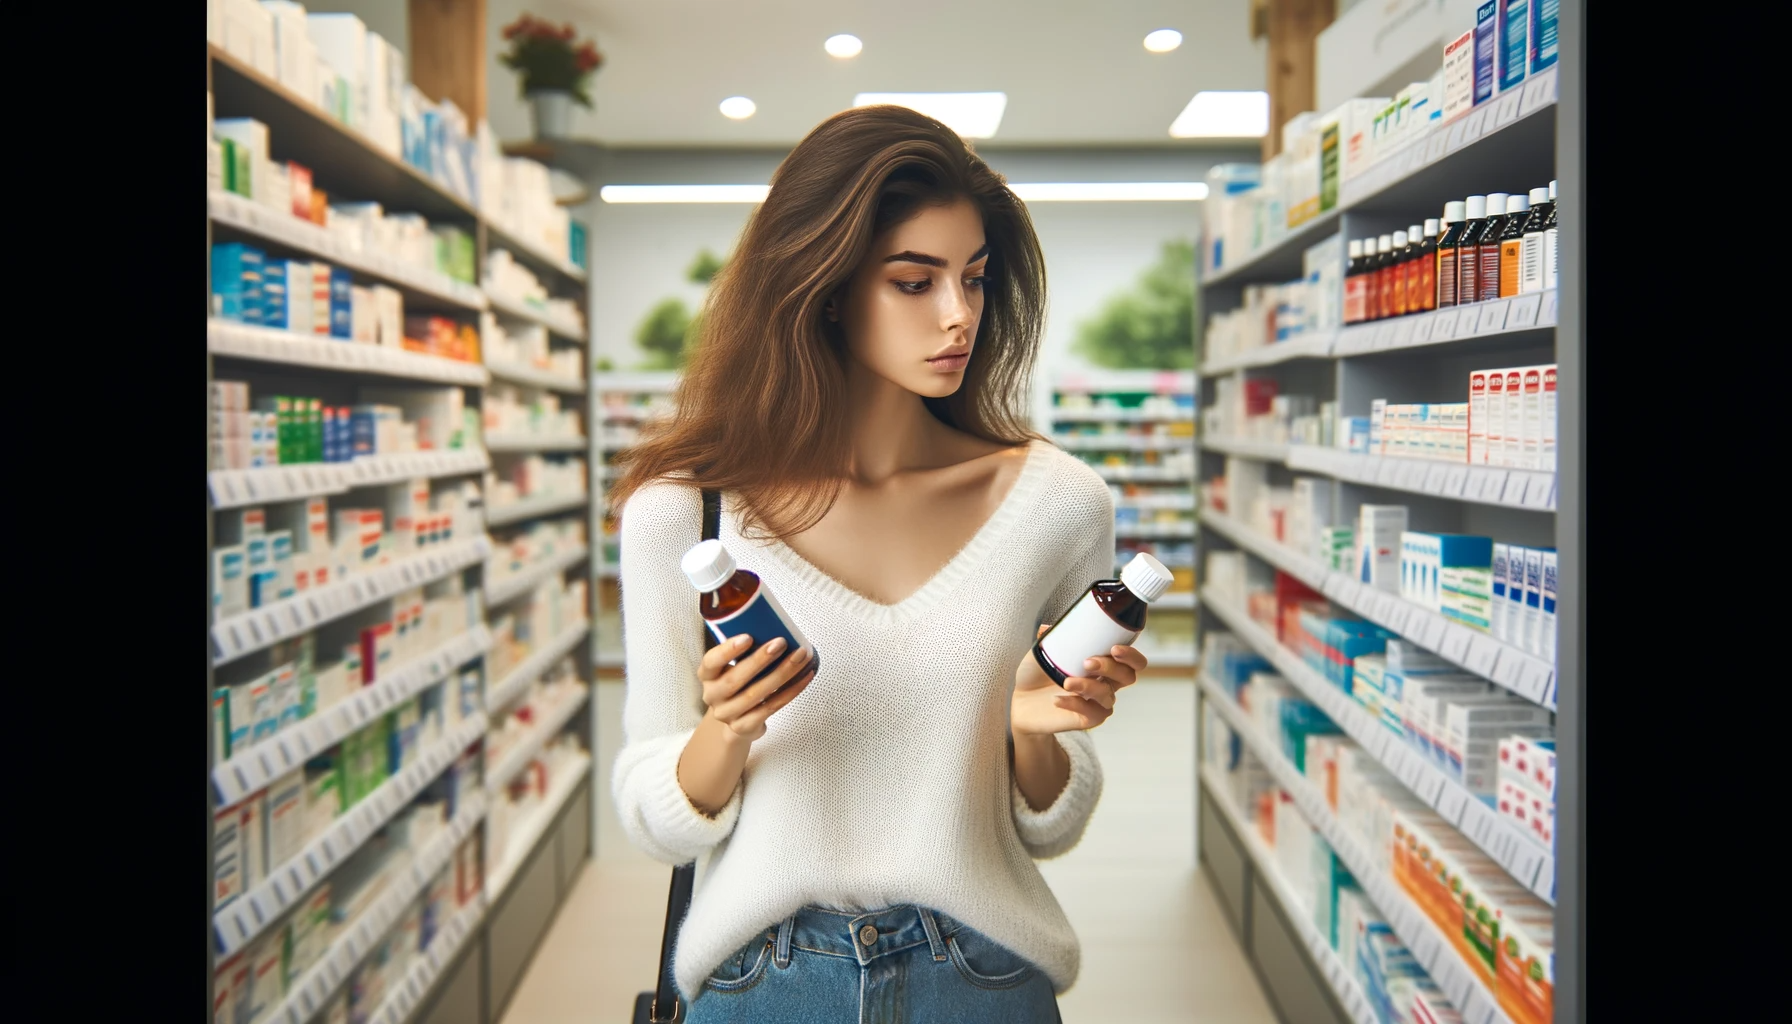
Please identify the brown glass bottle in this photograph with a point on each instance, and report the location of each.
(1402, 260)
(1424, 288)
(1455, 223)
(1384, 283)
(734, 602)
(1371, 281)
(1468, 252)
(1110, 613)
(1487, 279)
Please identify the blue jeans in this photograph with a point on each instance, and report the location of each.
(900, 965)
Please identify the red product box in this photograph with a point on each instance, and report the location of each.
(1258, 394)
(300, 176)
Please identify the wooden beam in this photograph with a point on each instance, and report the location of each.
(447, 53)
(1293, 29)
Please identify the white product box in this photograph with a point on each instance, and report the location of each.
(1515, 561)
(1547, 447)
(1497, 618)
(227, 856)
(388, 304)
(341, 41)
(230, 584)
(252, 839)
(363, 316)
(1546, 623)
(286, 818)
(1531, 629)
(1477, 417)
(1512, 428)
(1493, 429)
(1378, 533)
(1531, 452)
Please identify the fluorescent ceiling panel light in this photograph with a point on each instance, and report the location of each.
(1163, 40)
(1223, 115)
(973, 115)
(738, 107)
(1111, 191)
(843, 46)
(683, 193)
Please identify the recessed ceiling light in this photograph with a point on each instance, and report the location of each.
(1223, 115)
(843, 46)
(738, 107)
(1163, 40)
(973, 115)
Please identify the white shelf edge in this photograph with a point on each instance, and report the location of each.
(1143, 475)
(281, 227)
(514, 239)
(533, 666)
(1501, 486)
(1317, 346)
(503, 590)
(534, 443)
(517, 373)
(1269, 451)
(640, 382)
(611, 659)
(239, 922)
(499, 878)
(530, 508)
(1154, 531)
(529, 749)
(1518, 671)
(1176, 601)
(234, 488)
(255, 768)
(309, 996)
(1062, 415)
(521, 310)
(268, 345)
(411, 991)
(1099, 443)
(1349, 993)
(1428, 944)
(1526, 860)
(1470, 321)
(263, 627)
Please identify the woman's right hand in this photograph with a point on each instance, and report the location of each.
(741, 708)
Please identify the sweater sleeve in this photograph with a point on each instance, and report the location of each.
(662, 641)
(1056, 829)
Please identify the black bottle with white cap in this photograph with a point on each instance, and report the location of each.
(1110, 613)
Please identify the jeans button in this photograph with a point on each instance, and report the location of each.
(867, 935)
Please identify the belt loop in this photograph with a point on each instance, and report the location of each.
(934, 942)
(781, 956)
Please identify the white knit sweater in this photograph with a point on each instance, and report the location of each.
(887, 781)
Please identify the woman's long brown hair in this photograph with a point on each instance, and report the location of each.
(761, 409)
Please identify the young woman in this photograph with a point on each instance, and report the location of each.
(867, 835)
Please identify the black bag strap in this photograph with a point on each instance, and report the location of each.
(678, 900)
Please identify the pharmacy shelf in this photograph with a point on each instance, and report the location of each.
(1486, 485)
(1121, 443)
(609, 571)
(1154, 531)
(232, 488)
(517, 308)
(517, 373)
(651, 382)
(1167, 655)
(342, 160)
(529, 748)
(1269, 451)
(526, 832)
(1175, 600)
(1154, 502)
(501, 589)
(1280, 260)
(266, 345)
(239, 922)
(535, 443)
(1144, 474)
(409, 992)
(1430, 947)
(311, 993)
(1314, 346)
(280, 227)
(531, 508)
(257, 628)
(534, 254)
(1529, 862)
(1519, 671)
(1061, 414)
(1520, 319)
(518, 679)
(255, 768)
(1344, 986)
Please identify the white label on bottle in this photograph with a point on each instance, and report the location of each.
(1084, 632)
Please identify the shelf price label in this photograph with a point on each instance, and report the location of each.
(1540, 491)
(1455, 479)
(1493, 317)
(1421, 329)
(1524, 311)
(1443, 326)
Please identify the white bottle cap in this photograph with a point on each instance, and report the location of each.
(1146, 577)
(1431, 226)
(1518, 204)
(1539, 196)
(1399, 241)
(1355, 249)
(1455, 212)
(1496, 204)
(1552, 190)
(1477, 207)
(1412, 233)
(1384, 243)
(708, 565)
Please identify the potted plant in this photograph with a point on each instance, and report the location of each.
(554, 73)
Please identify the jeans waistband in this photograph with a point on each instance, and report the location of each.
(864, 936)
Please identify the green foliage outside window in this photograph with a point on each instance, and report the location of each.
(1152, 326)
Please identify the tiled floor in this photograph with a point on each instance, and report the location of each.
(1155, 948)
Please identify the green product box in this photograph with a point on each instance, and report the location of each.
(314, 429)
(1331, 163)
(236, 167)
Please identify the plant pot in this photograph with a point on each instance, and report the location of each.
(553, 113)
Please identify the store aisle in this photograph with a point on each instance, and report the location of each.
(1155, 947)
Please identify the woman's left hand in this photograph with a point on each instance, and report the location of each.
(1040, 707)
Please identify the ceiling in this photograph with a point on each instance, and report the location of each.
(1076, 71)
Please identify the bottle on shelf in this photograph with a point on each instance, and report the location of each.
(1354, 287)
(1487, 278)
(1455, 223)
(1371, 280)
(1530, 273)
(1424, 286)
(1384, 277)
(1468, 251)
(1415, 242)
(1399, 258)
(1518, 212)
(1549, 240)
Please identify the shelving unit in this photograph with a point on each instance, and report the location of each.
(490, 935)
(621, 403)
(1515, 142)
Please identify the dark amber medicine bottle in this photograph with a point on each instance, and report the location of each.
(1110, 613)
(734, 601)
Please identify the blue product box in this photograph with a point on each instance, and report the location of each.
(1486, 45)
(1514, 52)
(1464, 551)
(361, 425)
(1543, 34)
(276, 311)
(1300, 720)
(577, 243)
(236, 282)
(342, 321)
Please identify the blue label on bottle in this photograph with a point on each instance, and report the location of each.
(763, 619)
